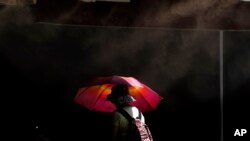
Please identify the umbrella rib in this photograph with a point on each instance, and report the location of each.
(151, 105)
(147, 102)
(98, 97)
(86, 88)
(160, 98)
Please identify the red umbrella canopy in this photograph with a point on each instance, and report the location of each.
(94, 95)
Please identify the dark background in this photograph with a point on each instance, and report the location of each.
(43, 70)
(172, 46)
(236, 83)
(183, 14)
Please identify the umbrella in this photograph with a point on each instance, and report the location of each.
(93, 95)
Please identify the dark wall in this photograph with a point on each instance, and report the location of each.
(237, 80)
(44, 65)
(220, 14)
(183, 14)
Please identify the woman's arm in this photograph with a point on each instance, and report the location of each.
(115, 126)
(115, 130)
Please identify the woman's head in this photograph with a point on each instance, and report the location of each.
(120, 95)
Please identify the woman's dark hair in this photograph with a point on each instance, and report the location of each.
(120, 89)
(117, 91)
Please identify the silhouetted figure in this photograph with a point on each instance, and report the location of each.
(120, 124)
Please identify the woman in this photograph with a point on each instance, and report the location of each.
(121, 99)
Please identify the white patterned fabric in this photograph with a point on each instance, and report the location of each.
(124, 99)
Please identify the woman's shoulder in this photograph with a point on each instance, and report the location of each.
(133, 111)
(130, 108)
